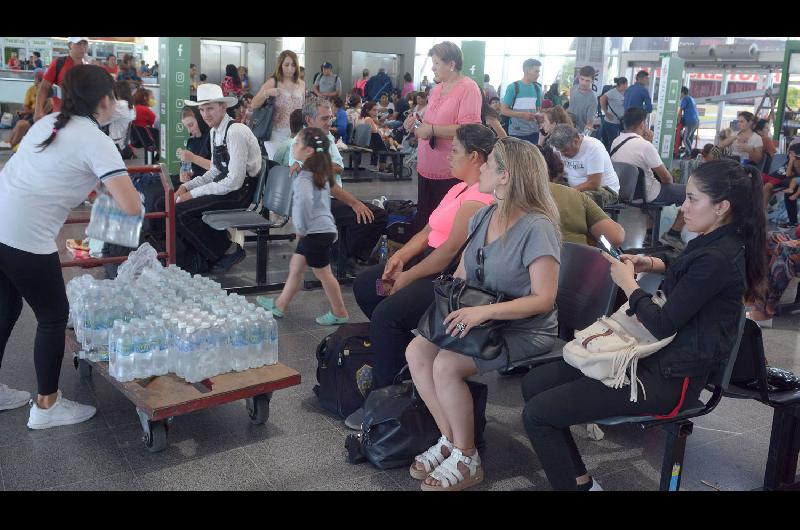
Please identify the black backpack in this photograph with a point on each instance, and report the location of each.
(400, 220)
(344, 369)
(397, 425)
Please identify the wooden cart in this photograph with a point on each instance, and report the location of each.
(159, 399)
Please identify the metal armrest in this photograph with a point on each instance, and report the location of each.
(212, 212)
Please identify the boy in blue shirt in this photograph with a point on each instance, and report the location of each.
(688, 113)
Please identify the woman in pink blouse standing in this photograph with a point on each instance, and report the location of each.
(454, 101)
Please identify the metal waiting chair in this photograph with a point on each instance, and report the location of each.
(627, 188)
(273, 194)
(358, 145)
(784, 439)
(679, 427)
(585, 293)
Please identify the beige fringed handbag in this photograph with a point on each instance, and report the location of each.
(606, 349)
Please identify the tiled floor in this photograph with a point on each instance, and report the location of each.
(302, 447)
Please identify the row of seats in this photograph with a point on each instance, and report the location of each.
(360, 142)
(585, 292)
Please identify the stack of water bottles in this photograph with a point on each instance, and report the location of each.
(110, 224)
(166, 320)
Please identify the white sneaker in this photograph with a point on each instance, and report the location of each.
(5, 145)
(595, 486)
(12, 399)
(63, 412)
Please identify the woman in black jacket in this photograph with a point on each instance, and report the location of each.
(705, 287)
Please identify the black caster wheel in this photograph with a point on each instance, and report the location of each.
(155, 439)
(84, 369)
(258, 408)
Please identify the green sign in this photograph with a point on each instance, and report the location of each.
(39, 43)
(669, 98)
(15, 42)
(474, 52)
(173, 60)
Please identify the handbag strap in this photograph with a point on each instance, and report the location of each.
(451, 267)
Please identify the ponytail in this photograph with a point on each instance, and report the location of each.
(754, 229)
(741, 186)
(84, 86)
(319, 162)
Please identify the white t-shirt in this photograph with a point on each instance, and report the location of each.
(118, 128)
(640, 153)
(592, 158)
(754, 141)
(38, 189)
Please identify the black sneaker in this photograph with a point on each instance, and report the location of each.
(519, 370)
(227, 261)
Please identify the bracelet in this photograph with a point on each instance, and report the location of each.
(652, 263)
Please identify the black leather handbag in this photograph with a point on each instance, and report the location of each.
(261, 121)
(484, 341)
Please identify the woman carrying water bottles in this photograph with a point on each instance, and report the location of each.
(315, 227)
(61, 159)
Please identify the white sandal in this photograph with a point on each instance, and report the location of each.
(430, 459)
(450, 477)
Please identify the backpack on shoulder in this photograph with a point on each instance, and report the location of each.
(344, 369)
(397, 425)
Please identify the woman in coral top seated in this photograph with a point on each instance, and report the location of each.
(406, 278)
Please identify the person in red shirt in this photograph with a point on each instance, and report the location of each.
(13, 62)
(142, 101)
(77, 52)
(112, 67)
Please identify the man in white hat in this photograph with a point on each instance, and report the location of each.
(56, 72)
(235, 162)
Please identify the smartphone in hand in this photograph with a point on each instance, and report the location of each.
(382, 286)
(606, 246)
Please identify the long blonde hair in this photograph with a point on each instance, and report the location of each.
(528, 181)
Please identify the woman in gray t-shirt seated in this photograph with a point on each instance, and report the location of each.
(516, 251)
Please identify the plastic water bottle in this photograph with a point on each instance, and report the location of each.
(383, 250)
(124, 364)
(240, 345)
(273, 339)
(186, 351)
(143, 362)
(158, 338)
(254, 339)
(113, 338)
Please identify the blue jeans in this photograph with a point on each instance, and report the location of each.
(610, 133)
(532, 138)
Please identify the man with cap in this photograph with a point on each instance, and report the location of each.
(328, 85)
(235, 164)
(56, 72)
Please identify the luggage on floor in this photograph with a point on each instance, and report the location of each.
(344, 369)
(397, 425)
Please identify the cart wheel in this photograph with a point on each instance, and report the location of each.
(84, 368)
(156, 439)
(258, 408)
